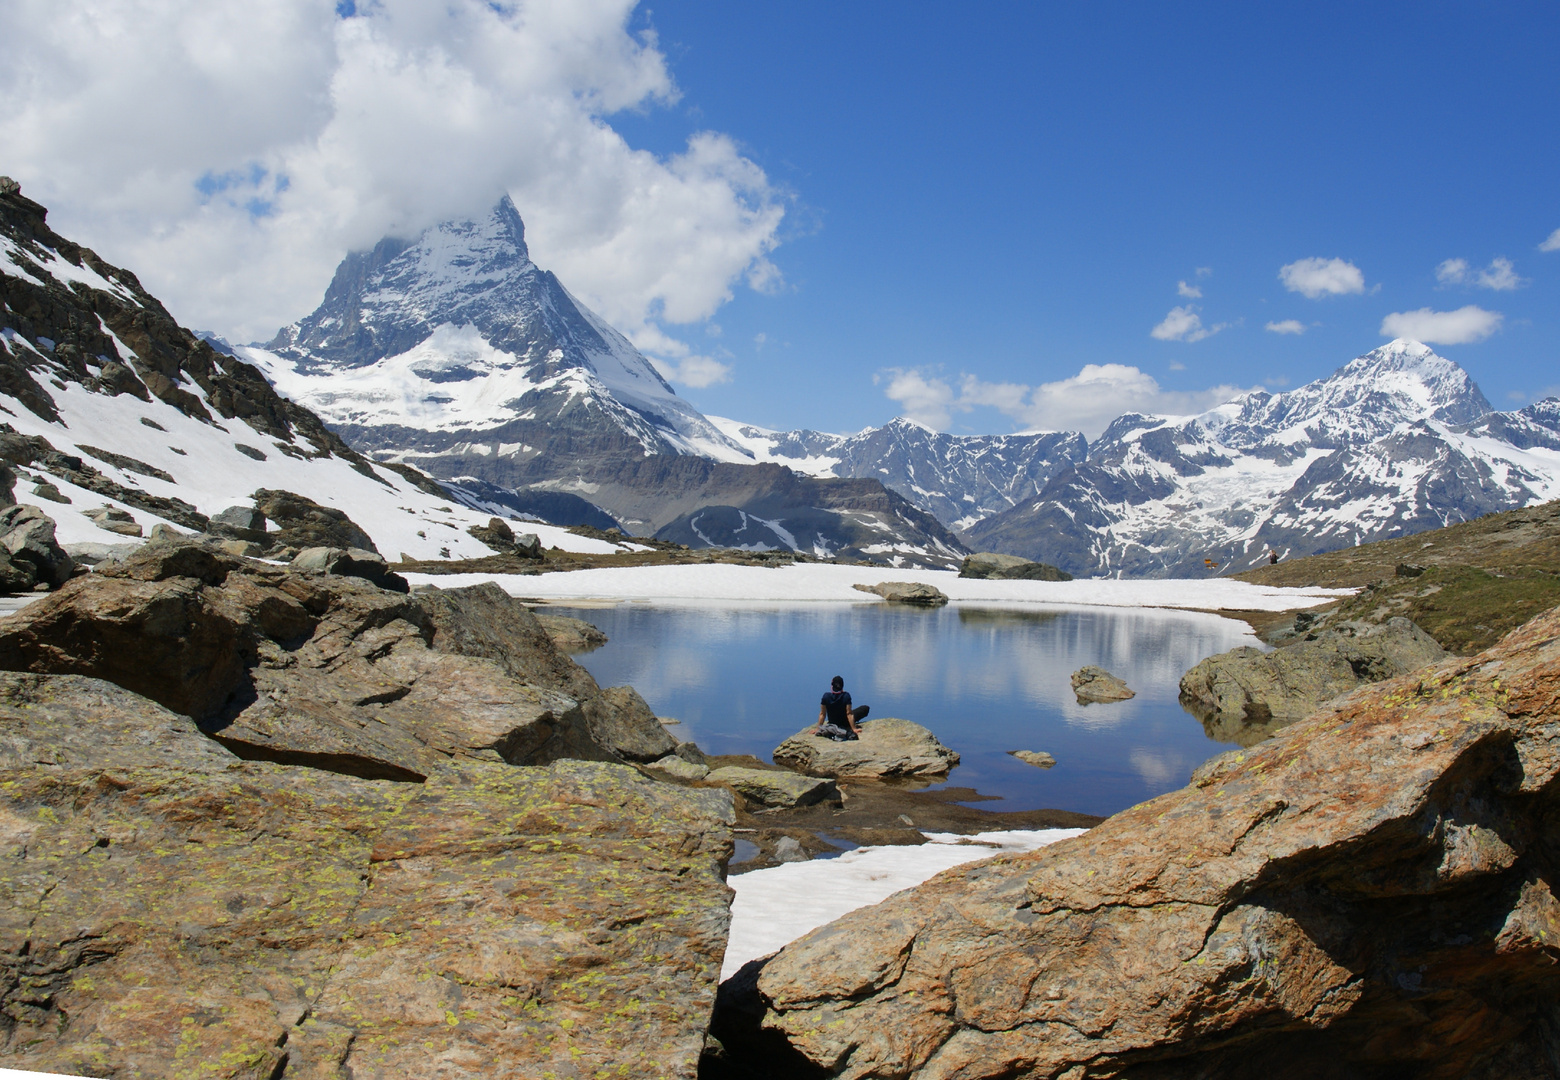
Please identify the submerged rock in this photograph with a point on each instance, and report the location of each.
(1095, 684)
(1247, 693)
(1370, 893)
(774, 787)
(888, 747)
(906, 592)
(991, 564)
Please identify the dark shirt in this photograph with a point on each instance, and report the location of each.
(837, 705)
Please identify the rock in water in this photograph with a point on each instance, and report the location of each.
(774, 787)
(906, 592)
(887, 748)
(1038, 758)
(991, 564)
(1095, 684)
(571, 635)
(1246, 694)
(1368, 894)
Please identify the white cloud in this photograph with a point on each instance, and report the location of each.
(1086, 402)
(1176, 365)
(1190, 292)
(253, 144)
(1552, 244)
(1452, 272)
(1461, 327)
(1184, 324)
(1286, 326)
(1314, 278)
(1500, 275)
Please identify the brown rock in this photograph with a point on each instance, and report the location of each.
(304, 523)
(483, 620)
(1094, 684)
(991, 564)
(621, 721)
(571, 635)
(1369, 893)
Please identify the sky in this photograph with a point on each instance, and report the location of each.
(993, 217)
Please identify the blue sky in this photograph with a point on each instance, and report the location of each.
(989, 216)
(1013, 191)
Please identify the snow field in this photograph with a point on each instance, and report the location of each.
(774, 907)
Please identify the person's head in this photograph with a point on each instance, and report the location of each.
(837, 684)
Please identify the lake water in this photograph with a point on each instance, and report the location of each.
(984, 680)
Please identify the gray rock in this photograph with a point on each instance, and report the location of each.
(528, 546)
(1095, 684)
(27, 539)
(350, 562)
(166, 534)
(1246, 694)
(620, 720)
(571, 635)
(88, 554)
(774, 788)
(992, 564)
(689, 751)
(48, 491)
(906, 592)
(789, 849)
(483, 620)
(1038, 758)
(887, 748)
(241, 517)
(246, 549)
(114, 520)
(675, 766)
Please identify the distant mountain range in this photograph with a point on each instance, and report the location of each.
(455, 353)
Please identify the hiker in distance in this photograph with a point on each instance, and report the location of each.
(837, 716)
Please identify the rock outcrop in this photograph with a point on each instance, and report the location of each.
(1245, 694)
(170, 909)
(887, 748)
(773, 787)
(906, 592)
(571, 635)
(1369, 894)
(620, 720)
(350, 562)
(1094, 684)
(29, 554)
(992, 564)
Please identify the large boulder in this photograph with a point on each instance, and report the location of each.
(254, 921)
(1371, 893)
(571, 635)
(906, 592)
(887, 748)
(483, 620)
(350, 562)
(991, 564)
(29, 554)
(1247, 693)
(620, 720)
(304, 523)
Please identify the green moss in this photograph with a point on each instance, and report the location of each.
(1464, 608)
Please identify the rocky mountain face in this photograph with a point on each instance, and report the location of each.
(1395, 442)
(273, 825)
(119, 420)
(455, 352)
(959, 479)
(1370, 893)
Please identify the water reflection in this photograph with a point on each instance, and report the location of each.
(986, 680)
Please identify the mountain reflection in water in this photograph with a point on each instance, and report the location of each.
(986, 680)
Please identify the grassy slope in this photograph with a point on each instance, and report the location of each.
(1481, 579)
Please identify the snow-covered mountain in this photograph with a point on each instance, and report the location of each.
(457, 343)
(455, 352)
(111, 405)
(1395, 442)
(960, 479)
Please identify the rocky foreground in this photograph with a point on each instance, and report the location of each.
(1367, 894)
(265, 823)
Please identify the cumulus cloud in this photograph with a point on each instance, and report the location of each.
(1286, 326)
(1184, 324)
(1086, 402)
(1190, 292)
(1552, 244)
(232, 153)
(1461, 327)
(1500, 275)
(1315, 278)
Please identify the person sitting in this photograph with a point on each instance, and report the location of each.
(836, 715)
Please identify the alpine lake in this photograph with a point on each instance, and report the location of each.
(985, 680)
